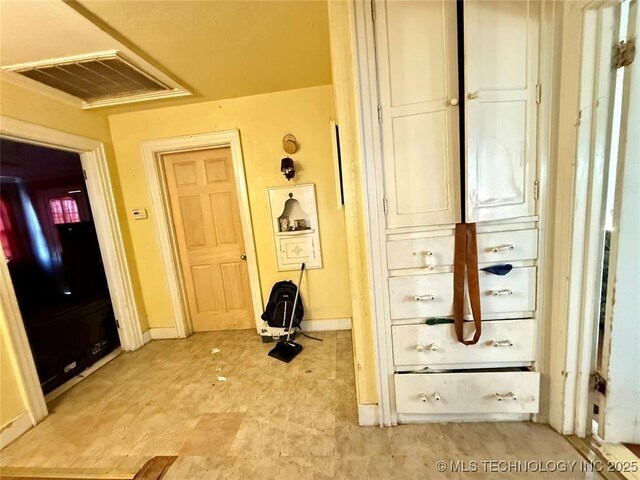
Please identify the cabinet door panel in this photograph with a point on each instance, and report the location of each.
(501, 55)
(417, 62)
(420, 188)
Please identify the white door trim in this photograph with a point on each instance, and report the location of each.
(579, 209)
(103, 208)
(372, 168)
(152, 151)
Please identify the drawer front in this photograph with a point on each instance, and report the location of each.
(432, 345)
(425, 253)
(514, 245)
(482, 392)
(513, 292)
(421, 296)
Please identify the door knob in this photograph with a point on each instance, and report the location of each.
(472, 95)
(453, 102)
(243, 257)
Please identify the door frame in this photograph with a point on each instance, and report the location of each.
(103, 206)
(152, 151)
(578, 206)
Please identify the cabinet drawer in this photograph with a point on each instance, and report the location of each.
(421, 296)
(481, 392)
(498, 247)
(514, 292)
(431, 345)
(425, 253)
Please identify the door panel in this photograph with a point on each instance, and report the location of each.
(206, 217)
(223, 218)
(501, 59)
(501, 129)
(417, 61)
(421, 189)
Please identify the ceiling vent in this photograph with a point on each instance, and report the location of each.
(101, 79)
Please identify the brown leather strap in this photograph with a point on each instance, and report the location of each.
(466, 255)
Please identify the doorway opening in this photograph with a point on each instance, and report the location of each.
(51, 248)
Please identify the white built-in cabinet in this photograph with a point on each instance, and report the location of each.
(429, 185)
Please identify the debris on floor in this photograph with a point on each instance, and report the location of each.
(215, 350)
(219, 369)
(222, 379)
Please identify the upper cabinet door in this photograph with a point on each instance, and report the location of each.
(501, 75)
(417, 60)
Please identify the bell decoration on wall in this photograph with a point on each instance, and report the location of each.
(286, 167)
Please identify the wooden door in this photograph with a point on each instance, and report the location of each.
(418, 75)
(501, 75)
(206, 218)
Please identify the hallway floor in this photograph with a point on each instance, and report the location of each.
(266, 420)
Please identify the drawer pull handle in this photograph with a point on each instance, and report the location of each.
(501, 248)
(433, 347)
(428, 256)
(504, 291)
(501, 343)
(506, 396)
(424, 298)
(424, 397)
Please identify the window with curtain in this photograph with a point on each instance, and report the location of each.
(64, 210)
(6, 230)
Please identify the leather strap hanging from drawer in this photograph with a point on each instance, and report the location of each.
(466, 255)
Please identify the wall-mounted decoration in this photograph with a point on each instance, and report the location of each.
(290, 144)
(294, 217)
(287, 168)
(337, 162)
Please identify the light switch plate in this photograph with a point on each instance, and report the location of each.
(139, 213)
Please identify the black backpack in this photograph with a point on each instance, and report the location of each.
(278, 310)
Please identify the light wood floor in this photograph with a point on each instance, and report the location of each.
(267, 420)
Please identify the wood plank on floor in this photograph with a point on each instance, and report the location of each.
(154, 469)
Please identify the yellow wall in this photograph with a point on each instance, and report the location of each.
(344, 81)
(262, 121)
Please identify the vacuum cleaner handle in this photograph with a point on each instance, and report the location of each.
(295, 302)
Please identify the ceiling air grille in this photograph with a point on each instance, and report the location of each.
(95, 79)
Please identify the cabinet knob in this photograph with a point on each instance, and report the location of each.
(428, 258)
(499, 293)
(424, 397)
(505, 396)
(453, 102)
(472, 95)
(501, 343)
(501, 248)
(433, 347)
(424, 298)
(243, 257)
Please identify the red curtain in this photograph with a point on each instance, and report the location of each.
(7, 231)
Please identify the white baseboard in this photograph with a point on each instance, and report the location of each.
(15, 428)
(146, 336)
(328, 325)
(368, 415)
(163, 333)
